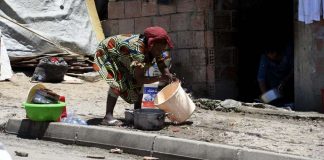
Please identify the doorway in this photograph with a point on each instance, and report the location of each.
(261, 24)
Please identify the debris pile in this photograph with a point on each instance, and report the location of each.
(76, 63)
(229, 105)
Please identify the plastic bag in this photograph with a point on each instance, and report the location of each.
(72, 118)
(50, 69)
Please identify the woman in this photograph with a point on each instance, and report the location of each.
(122, 61)
(276, 70)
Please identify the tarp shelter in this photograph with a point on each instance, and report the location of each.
(32, 28)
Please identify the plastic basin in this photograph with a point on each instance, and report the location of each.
(44, 112)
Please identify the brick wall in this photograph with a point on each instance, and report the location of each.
(189, 23)
(223, 59)
(203, 31)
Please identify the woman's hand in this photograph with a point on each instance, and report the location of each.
(168, 78)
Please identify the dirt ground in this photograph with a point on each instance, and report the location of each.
(276, 133)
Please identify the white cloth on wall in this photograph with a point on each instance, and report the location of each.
(310, 10)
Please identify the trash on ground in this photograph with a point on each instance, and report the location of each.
(116, 150)
(89, 76)
(175, 129)
(71, 80)
(50, 69)
(4, 155)
(21, 154)
(96, 157)
(72, 118)
(150, 158)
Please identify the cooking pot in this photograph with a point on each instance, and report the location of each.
(129, 116)
(149, 119)
(271, 95)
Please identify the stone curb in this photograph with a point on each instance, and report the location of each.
(137, 142)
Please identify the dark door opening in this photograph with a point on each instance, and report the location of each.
(261, 24)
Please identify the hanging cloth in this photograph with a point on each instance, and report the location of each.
(309, 10)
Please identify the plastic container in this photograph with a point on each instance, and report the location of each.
(72, 118)
(44, 112)
(149, 94)
(270, 96)
(64, 113)
(173, 100)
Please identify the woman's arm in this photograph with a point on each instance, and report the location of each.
(141, 79)
(139, 74)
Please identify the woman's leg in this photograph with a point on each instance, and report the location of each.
(138, 103)
(110, 105)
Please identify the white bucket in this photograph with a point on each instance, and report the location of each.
(173, 100)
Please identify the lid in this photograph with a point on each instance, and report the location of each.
(32, 91)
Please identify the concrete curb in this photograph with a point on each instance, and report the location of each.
(137, 142)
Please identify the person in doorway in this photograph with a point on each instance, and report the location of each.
(122, 61)
(276, 72)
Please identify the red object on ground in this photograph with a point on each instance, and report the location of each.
(64, 114)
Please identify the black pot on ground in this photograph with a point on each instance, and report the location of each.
(149, 119)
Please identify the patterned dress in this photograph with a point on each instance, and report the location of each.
(116, 58)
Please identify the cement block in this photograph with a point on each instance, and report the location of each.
(133, 9)
(42, 130)
(185, 39)
(149, 8)
(218, 151)
(167, 9)
(197, 21)
(177, 147)
(116, 10)
(62, 132)
(203, 5)
(126, 26)
(180, 22)
(247, 154)
(198, 39)
(185, 5)
(26, 128)
(116, 138)
(142, 23)
(162, 21)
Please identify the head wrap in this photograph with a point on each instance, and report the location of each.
(156, 33)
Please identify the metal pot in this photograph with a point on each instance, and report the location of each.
(149, 119)
(129, 116)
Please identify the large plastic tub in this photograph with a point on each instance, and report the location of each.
(174, 100)
(44, 112)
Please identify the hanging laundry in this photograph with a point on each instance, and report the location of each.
(309, 10)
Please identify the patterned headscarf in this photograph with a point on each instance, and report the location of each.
(156, 33)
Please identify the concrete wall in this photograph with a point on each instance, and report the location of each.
(223, 59)
(309, 65)
(189, 23)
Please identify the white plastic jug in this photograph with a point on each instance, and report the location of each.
(173, 100)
